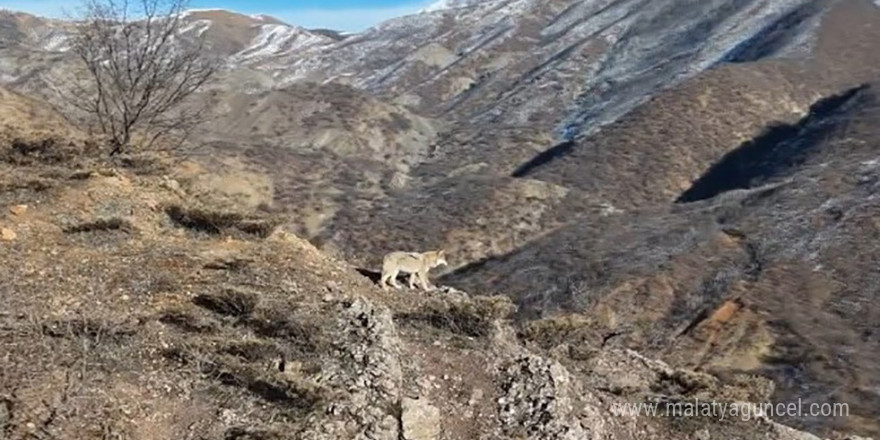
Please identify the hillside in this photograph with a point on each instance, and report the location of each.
(693, 125)
(136, 310)
(592, 228)
(777, 229)
(614, 181)
(568, 66)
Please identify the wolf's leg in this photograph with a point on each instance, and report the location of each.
(394, 279)
(384, 281)
(412, 280)
(423, 277)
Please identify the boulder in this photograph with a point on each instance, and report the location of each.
(420, 419)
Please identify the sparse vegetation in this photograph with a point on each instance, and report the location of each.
(217, 222)
(572, 329)
(108, 224)
(49, 149)
(140, 70)
(229, 303)
(472, 317)
(143, 301)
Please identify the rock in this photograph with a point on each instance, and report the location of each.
(5, 413)
(18, 209)
(539, 402)
(420, 420)
(476, 396)
(368, 375)
(171, 184)
(7, 234)
(152, 204)
(702, 434)
(399, 180)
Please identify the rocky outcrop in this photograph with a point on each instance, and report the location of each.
(365, 373)
(419, 420)
(538, 401)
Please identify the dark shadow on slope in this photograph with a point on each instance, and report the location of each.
(774, 37)
(473, 267)
(543, 158)
(371, 275)
(775, 152)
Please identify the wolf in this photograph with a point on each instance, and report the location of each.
(415, 264)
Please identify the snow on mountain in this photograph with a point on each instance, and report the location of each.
(196, 26)
(449, 4)
(279, 39)
(567, 65)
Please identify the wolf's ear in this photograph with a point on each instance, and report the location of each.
(441, 253)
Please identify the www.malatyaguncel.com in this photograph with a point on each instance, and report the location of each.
(726, 410)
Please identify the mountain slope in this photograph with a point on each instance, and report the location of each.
(756, 279)
(544, 144)
(564, 65)
(656, 151)
(559, 63)
(787, 252)
(135, 310)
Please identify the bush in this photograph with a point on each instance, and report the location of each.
(469, 317)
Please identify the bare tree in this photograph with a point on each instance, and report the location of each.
(140, 68)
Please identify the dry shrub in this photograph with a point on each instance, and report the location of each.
(88, 328)
(250, 433)
(100, 225)
(468, 317)
(46, 150)
(549, 332)
(306, 337)
(219, 222)
(228, 303)
(188, 322)
(252, 351)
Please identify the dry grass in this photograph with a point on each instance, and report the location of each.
(207, 220)
(228, 303)
(103, 323)
(100, 225)
(571, 329)
(474, 318)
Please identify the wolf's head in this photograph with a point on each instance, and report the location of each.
(439, 258)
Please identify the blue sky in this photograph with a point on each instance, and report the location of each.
(345, 15)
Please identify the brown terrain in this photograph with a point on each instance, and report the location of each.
(706, 230)
(765, 263)
(137, 307)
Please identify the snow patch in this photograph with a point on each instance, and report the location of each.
(443, 5)
(56, 42)
(262, 17)
(277, 39)
(199, 26)
(190, 12)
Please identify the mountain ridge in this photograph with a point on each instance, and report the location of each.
(552, 148)
(468, 73)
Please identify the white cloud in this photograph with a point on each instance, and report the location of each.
(351, 19)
